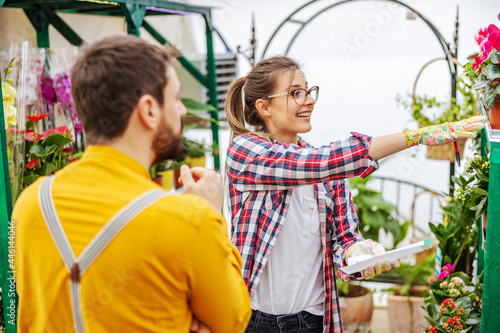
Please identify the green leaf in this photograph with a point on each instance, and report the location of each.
(490, 97)
(494, 56)
(37, 150)
(30, 179)
(492, 71)
(194, 105)
(50, 149)
(373, 219)
(432, 321)
(479, 191)
(56, 139)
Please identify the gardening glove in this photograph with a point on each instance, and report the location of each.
(369, 247)
(444, 133)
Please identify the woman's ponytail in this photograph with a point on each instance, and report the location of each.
(235, 109)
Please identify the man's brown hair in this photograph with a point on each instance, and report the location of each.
(108, 80)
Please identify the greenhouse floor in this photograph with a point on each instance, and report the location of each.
(380, 320)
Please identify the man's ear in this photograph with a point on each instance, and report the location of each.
(148, 111)
(262, 107)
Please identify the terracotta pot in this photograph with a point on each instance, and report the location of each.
(177, 175)
(495, 116)
(398, 309)
(356, 312)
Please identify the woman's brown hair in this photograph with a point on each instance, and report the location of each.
(259, 83)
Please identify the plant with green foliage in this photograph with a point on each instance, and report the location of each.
(194, 148)
(453, 303)
(412, 275)
(479, 169)
(458, 234)
(421, 107)
(374, 213)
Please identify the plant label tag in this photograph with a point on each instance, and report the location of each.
(360, 263)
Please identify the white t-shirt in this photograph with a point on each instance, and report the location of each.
(292, 280)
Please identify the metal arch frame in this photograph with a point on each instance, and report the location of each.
(449, 54)
(442, 41)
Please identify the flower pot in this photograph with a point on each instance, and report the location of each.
(495, 115)
(167, 179)
(196, 161)
(400, 316)
(356, 312)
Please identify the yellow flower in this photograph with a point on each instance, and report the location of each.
(8, 93)
(10, 115)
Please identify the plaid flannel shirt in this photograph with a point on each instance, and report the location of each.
(262, 174)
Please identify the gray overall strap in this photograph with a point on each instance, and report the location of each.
(77, 266)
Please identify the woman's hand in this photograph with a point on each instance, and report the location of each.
(369, 247)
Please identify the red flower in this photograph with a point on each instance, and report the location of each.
(432, 329)
(442, 310)
(37, 118)
(68, 150)
(31, 137)
(48, 132)
(32, 164)
(458, 326)
(72, 159)
(63, 130)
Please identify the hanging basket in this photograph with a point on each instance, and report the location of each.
(444, 152)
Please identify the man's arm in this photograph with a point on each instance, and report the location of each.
(219, 296)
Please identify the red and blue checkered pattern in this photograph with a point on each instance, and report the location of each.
(262, 174)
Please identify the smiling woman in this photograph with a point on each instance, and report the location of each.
(279, 185)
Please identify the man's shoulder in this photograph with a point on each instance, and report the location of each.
(192, 208)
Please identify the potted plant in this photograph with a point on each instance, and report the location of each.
(484, 72)
(356, 306)
(422, 107)
(405, 302)
(453, 303)
(165, 170)
(194, 152)
(374, 213)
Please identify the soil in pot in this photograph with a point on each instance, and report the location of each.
(356, 309)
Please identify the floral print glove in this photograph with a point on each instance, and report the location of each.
(370, 247)
(444, 133)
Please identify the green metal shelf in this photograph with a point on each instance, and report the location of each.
(42, 14)
(489, 259)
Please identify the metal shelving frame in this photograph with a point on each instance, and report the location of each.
(489, 259)
(42, 14)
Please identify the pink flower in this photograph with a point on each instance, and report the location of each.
(448, 267)
(31, 137)
(482, 36)
(63, 130)
(48, 132)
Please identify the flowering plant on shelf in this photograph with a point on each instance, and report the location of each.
(44, 152)
(484, 70)
(453, 303)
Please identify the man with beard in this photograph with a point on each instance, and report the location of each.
(99, 246)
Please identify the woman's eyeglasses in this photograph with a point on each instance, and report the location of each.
(300, 95)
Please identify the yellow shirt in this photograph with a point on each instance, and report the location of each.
(172, 261)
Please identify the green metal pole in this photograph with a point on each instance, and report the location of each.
(6, 245)
(212, 87)
(188, 65)
(490, 320)
(134, 13)
(480, 251)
